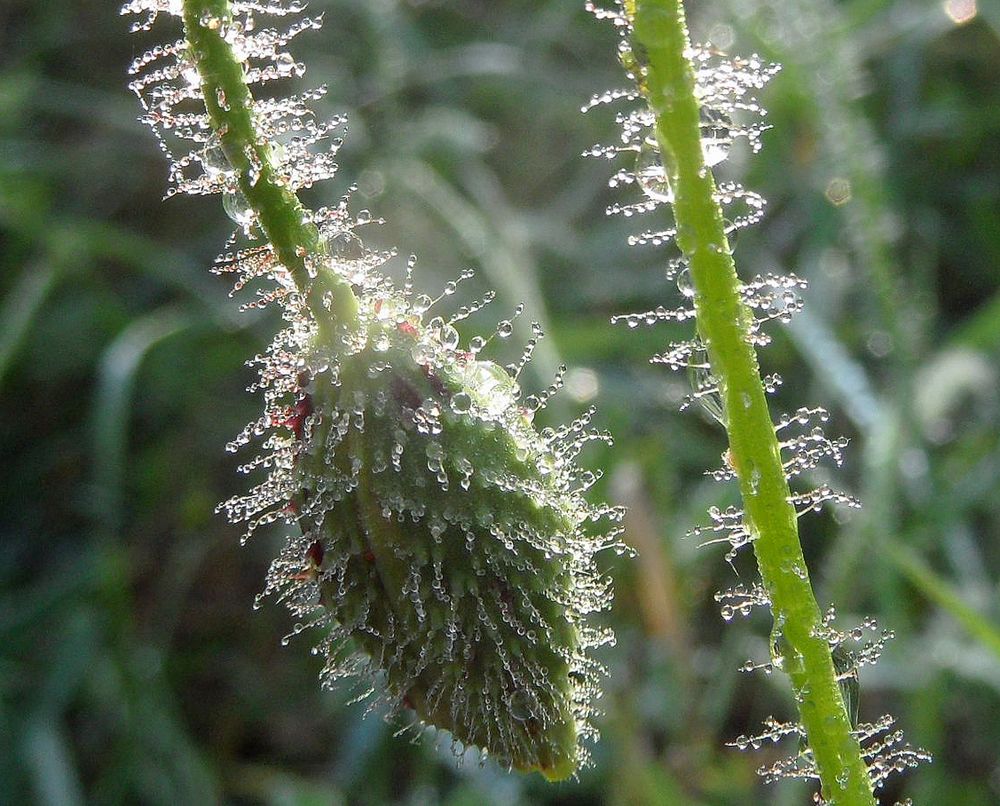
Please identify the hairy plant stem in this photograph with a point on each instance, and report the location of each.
(668, 84)
(278, 210)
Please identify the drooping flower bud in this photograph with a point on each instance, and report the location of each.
(442, 539)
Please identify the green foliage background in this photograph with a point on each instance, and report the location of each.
(132, 668)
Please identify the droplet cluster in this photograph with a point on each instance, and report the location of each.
(884, 750)
(168, 86)
(441, 543)
(729, 112)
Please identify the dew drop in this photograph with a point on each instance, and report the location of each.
(494, 388)
(423, 353)
(714, 150)
(717, 136)
(461, 403)
(650, 174)
(214, 162)
(279, 154)
(285, 64)
(422, 303)
(190, 74)
(520, 706)
(685, 284)
(346, 245)
(237, 207)
(449, 337)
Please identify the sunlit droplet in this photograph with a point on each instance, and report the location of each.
(345, 247)
(449, 337)
(685, 284)
(960, 11)
(461, 403)
(716, 137)
(285, 64)
(214, 162)
(650, 174)
(237, 207)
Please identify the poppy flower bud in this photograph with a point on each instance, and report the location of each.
(442, 537)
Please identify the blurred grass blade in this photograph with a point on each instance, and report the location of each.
(116, 381)
(20, 307)
(48, 756)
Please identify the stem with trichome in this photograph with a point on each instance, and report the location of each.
(276, 208)
(723, 321)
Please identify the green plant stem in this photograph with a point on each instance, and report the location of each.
(722, 320)
(278, 211)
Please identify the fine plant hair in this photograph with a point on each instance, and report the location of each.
(440, 543)
(684, 110)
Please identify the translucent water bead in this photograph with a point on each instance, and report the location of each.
(650, 173)
(238, 208)
(716, 136)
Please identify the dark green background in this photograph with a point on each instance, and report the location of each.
(132, 667)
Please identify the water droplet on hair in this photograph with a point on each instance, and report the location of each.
(520, 706)
(423, 353)
(214, 162)
(422, 303)
(714, 149)
(189, 72)
(237, 207)
(650, 174)
(285, 64)
(345, 246)
(716, 136)
(684, 283)
(449, 337)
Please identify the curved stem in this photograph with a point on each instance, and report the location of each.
(279, 212)
(722, 319)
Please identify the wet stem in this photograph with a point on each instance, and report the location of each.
(276, 208)
(722, 321)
